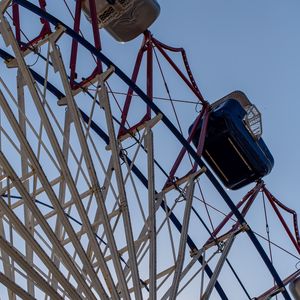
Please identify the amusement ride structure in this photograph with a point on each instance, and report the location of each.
(104, 192)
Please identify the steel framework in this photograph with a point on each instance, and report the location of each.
(86, 214)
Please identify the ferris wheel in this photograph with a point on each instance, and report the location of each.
(105, 192)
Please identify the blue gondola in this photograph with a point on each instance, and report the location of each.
(232, 148)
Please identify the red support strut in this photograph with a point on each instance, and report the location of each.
(46, 29)
(74, 48)
(248, 200)
(274, 203)
(146, 47)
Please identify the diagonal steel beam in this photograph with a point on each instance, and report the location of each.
(22, 230)
(4, 5)
(218, 268)
(152, 216)
(63, 165)
(8, 273)
(95, 186)
(32, 273)
(123, 202)
(183, 238)
(25, 169)
(14, 288)
(51, 194)
(62, 189)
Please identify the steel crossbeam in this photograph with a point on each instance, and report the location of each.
(27, 267)
(96, 188)
(14, 288)
(152, 215)
(123, 202)
(65, 171)
(37, 248)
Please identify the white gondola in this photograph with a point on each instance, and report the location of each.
(124, 19)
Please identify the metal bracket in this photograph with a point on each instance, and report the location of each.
(99, 78)
(190, 176)
(52, 37)
(4, 5)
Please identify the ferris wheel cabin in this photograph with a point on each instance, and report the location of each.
(295, 288)
(124, 19)
(233, 145)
